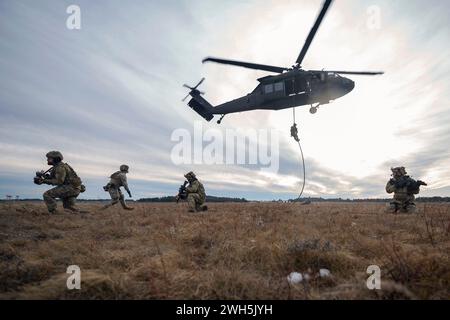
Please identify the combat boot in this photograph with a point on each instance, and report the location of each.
(410, 208)
(71, 210)
(391, 208)
(75, 210)
(200, 207)
(124, 205)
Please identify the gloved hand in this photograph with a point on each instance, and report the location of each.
(129, 194)
(38, 180)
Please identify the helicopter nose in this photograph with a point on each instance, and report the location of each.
(349, 85)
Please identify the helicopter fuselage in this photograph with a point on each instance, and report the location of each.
(290, 89)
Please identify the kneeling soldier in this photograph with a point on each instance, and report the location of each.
(404, 189)
(195, 193)
(67, 183)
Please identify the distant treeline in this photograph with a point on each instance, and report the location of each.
(420, 199)
(226, 199)
(208, 199)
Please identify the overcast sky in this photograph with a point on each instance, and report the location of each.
(111, 93)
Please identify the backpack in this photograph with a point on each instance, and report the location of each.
(72, 178)
(116, 178)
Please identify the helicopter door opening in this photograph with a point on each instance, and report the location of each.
(289, 85)
(300, 85)
(295, 86)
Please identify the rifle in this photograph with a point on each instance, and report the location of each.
(414, 186)
(41, 175)
(411, 185)
(182, 194)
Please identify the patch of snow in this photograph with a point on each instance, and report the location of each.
(295, 278)
(324, 273)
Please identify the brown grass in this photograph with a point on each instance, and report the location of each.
(234, 251)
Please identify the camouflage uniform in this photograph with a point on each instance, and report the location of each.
(403, 194)
(68, 185)
(118, 179)
(195, 193)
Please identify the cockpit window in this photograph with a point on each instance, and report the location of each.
(268, 88)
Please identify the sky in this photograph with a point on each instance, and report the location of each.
(110, 94)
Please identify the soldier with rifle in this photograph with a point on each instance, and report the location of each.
(194, 193)
(66, 181)
(404, 189)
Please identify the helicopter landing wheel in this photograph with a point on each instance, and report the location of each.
(313, 109)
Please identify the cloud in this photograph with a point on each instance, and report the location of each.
(110, 93)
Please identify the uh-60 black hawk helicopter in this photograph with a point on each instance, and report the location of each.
(291, 87)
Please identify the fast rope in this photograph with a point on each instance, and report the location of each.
(294, 134)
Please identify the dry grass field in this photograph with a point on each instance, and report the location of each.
(233, 251)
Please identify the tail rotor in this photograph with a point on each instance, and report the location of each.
(193, 89)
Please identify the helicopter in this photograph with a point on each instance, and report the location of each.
(289, 88)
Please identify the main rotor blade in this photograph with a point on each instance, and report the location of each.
(246, 65)
(313, 31)
(362, 73)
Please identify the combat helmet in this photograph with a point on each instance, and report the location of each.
(190, 175)
(54, 155)
(399, 171)
(124, 168)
